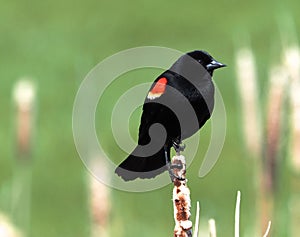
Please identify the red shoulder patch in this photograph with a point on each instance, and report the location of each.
(158, 89)
(160, 86)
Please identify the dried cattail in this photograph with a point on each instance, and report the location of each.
(100, 201)
(278, 81)
(247, 83)
(7, 229)
(292, 63)
(24, 95)
(181, 199)
(212, 228)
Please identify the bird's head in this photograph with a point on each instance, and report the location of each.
(206, 60)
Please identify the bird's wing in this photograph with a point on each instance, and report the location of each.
(152, 109)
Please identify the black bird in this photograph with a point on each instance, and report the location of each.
(178, 104)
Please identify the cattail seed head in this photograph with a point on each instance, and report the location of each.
(247, 83)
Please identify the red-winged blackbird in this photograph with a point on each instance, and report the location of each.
(178, 104)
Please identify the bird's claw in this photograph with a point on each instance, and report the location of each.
(178, 146)
(173, 167)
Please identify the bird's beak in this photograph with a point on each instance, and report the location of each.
(214, 65)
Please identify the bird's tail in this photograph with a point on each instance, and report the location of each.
(142, 167)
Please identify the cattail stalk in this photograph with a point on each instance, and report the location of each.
(24, 95)
(7, 229)
(278, 81)
(237, 215)
(24, 98)
(247, 83)
(181, 199)
(292, 63)
(268, 229)
(196, 228)
(269, 179)
(252, 124)
(291, 60)
(100, 204)
(212, 228)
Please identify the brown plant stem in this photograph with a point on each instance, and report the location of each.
(181, 198)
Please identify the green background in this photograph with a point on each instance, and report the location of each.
(58, 42)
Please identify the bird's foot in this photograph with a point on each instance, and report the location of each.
(173, 168)
(178, 146)
(168, 163)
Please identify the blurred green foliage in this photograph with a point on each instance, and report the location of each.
(58, 42)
